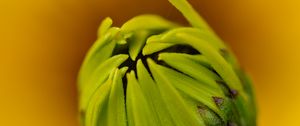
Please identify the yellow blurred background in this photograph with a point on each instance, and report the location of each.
(42, 44)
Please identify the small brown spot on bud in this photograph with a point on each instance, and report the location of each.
(224, 52)
(219, 101)
(201, 109)
(234, 93)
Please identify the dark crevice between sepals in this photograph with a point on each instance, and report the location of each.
(120, 49)
(124, 81)
(228, 104)
(231, 93)
(181, 49)
(211, 118)
(144, 61)
(123, 49)
(214, 71)
(185, 49)
(131, 64)
(170, 67)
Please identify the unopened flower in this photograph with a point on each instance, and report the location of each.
(153, 72)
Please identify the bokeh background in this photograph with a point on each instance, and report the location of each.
(43, 42)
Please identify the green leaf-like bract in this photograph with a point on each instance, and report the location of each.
(153, 72)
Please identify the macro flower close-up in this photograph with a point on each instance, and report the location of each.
(149, 63)
(152, 72)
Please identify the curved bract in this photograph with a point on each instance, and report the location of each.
(153, 72)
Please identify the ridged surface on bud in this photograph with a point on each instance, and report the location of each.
(153, 72)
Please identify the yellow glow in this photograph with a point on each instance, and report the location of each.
(42, 43)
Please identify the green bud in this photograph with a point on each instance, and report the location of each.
(153, 72)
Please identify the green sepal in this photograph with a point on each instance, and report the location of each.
(116, 114)
(138, 110)
(147, 22)
(153, 96)
(99, 75)
(104, 27)
(172, 98)
(191, 68)
(97, 107)
(100, 51)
